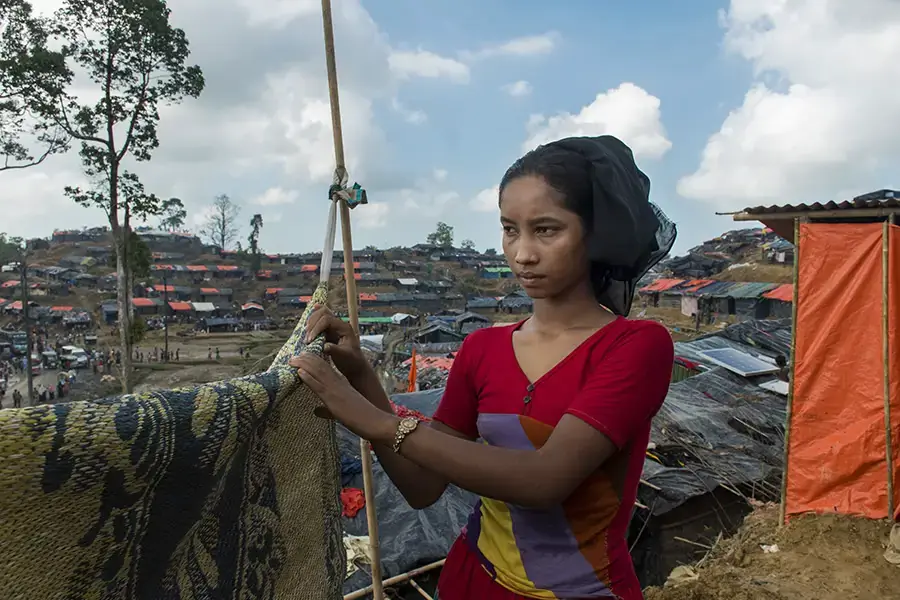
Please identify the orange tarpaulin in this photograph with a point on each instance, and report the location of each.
(784, 292)
(837, 451)
(661, 285)
(894, 354)
(413, 374)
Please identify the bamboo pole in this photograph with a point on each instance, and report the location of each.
(885, 348)
(402, 578)
(782, 516)
(350, 282)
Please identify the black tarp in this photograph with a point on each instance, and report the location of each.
(409, 538)
(714, 429)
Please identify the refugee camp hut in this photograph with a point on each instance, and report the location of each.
(516, 303)
(147, 306)
(253, 311)
(468, 322)
(652, 293)
(437, 333)
(744, 300)
(109, 310)
(483, 305)
(407, 284)
(204, 310)
(779, 301)
(215, 294)
(844, 401)
(426, 302)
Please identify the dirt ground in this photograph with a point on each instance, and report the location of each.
(817, 558)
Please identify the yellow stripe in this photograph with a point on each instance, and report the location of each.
(498, 545)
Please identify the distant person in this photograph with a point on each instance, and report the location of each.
(17, 399)
(177, 354)
(563, 399)
(209, 354)
(784, 373)
(217, 354)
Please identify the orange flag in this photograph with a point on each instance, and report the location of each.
(413, 375)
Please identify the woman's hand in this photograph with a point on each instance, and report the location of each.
(343, 402)
(341, 342)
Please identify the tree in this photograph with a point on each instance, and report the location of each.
(256, 224)
(30, 76)
(442, 235)
(220, 227)
(468, 245)
(136, 61)
(490, 252)
(172, 214)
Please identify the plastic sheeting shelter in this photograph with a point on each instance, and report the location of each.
(844, 414)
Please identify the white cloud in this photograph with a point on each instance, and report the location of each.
(276, 196)
(440, 174)
(530, 45)
(425, 64)
(486, 201)
(627, 112)
(822, 116)
(412, 116)
(518, 88)
(373, 215)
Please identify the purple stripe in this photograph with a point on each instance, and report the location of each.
(504, 431)
(473, 532)
(551, 556)
(547, 546)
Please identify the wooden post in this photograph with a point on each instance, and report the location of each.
(350, 281)
(793, 358)
(885, 348)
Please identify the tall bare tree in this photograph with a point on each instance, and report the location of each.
(221, 224)
(30, 73)
(136, 61)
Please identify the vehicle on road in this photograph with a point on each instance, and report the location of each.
(74, 357)
(50, 359)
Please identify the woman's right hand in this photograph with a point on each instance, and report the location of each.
(341, 342)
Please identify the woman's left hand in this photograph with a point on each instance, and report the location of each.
(340, 398)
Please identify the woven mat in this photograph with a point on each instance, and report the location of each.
(227, 490)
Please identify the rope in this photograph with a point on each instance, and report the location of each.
(328, 246)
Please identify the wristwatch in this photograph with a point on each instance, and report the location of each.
(406, 426)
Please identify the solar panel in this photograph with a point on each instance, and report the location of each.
(739, 362)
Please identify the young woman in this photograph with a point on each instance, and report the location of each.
(562, 401)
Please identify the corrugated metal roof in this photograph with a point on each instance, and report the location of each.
(716, 288)
(879, 199)
(747, 290)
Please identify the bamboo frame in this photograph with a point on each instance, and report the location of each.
(350, 282)
(885, 347)
(402, 578)
(782, 513)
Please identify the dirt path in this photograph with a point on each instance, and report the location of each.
(818, 558)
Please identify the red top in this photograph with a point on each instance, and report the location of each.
(615, 381)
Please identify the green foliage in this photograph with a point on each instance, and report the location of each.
(467, 245)
(30, 76)
(442, 235)
(139, 256)
(138, 330)
(256, 224)
(490, 252)
(10, 248)
(172, 214)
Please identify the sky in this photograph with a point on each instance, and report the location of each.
(726, 104)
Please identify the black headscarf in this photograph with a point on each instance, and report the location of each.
(627, 234)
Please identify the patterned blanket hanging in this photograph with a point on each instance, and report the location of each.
(224, 491)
